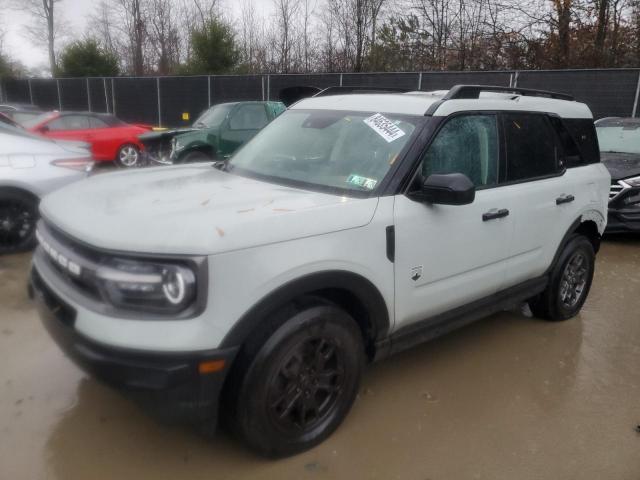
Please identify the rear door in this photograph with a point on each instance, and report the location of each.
(544, 205)
(448, 256)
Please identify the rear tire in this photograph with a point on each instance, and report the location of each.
(300, 383)
(129, 156)
(569, 282)
(18, 217)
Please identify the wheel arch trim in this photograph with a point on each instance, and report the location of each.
(363, 289)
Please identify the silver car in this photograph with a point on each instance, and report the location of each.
(30, 167)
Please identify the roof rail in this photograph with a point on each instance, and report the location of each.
(473, 91)
(358, 89)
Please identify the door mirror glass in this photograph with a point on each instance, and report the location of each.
(447, 189)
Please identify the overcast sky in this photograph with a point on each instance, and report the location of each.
(75, 13)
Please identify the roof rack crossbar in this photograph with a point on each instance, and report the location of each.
(337, 90)
(473, 91)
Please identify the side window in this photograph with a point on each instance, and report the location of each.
(69, 122)
(249, 117)
(570, 155)
(531, 146)
(466, 144)
(583, 133)
(95, 122)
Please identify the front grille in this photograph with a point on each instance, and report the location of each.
(74, 263)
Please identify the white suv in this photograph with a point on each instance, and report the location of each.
(352, 227)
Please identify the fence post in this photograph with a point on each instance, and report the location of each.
(30, 91)
(88, 95)
(262, 82)
(515, 79)
(420, 81)
(268, 87)
(113, 96)
(209, 90)
(340, 79)
(635, 101)
(106, 95)
(59, 95)
(159, 103)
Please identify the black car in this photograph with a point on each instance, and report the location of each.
(619, 140)
(20, 112)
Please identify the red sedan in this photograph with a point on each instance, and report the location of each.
(111, 139)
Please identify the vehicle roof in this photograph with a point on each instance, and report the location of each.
(418, 103)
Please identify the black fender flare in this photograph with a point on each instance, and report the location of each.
(362, 289)
(575, 226)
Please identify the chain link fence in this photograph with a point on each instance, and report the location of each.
(176, 101)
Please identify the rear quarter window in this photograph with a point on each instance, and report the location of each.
(584, 135)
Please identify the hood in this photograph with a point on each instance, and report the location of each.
(144, 137)
(621, 165)
(196, 210)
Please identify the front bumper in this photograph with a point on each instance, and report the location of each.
(623, 221)
(169, 384)
(624, 210)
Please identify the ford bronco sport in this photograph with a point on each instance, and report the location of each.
(350, 228)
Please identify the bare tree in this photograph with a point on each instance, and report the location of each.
(163, 35)
(44, 28)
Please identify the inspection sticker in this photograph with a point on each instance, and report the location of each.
(384, 127)
(364, 182)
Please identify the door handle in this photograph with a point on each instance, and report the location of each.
(494, 213)
(565, 199)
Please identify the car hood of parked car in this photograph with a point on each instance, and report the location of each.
(195, 209)
(621, 165)
(164, 134)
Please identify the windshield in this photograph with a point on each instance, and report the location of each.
(622, 139)
(335, 150)
(37, 120)
(214, 116)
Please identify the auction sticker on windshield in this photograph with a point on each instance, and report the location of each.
(364, 182)
(384, 127)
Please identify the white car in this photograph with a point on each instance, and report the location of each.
(350, 228)
(30, 167)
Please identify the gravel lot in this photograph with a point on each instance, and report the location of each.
(510, 397)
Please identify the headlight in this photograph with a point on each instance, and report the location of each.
(634, 182)
(157, 287)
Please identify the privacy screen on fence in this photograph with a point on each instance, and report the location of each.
(176, 101)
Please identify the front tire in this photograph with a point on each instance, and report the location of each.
(569, 282)
(129, 156)
(301, 382)
(18, 217)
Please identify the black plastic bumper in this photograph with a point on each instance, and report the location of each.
(623, 220)
(168, 384)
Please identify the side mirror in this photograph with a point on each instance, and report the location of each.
(447, 189)
(44, 129)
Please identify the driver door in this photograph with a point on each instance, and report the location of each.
(450, 255)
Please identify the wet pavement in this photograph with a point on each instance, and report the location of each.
(509, 397)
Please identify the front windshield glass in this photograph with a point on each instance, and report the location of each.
(619, 139)
(334, 150)
(213, 117)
